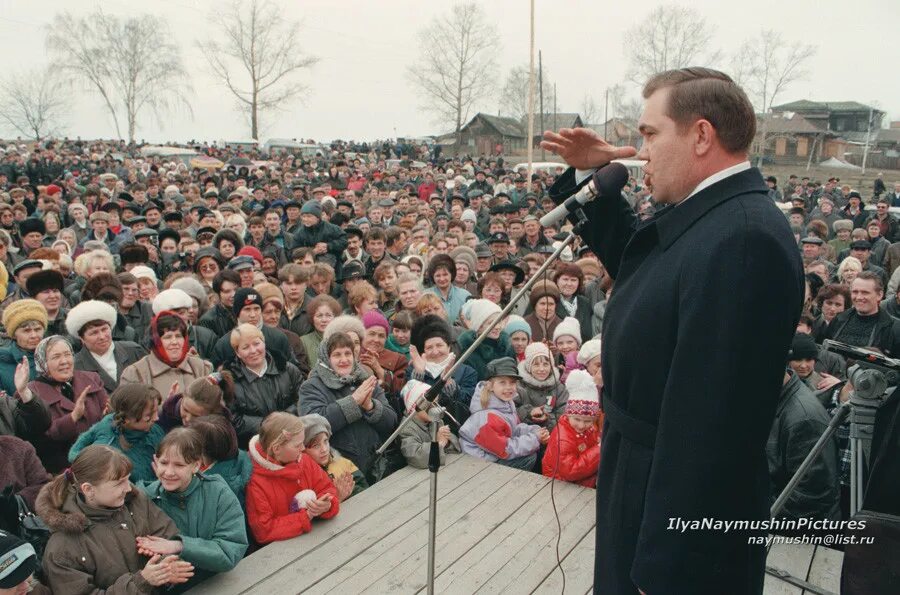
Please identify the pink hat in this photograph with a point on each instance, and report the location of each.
(376, 318)
(252, 252)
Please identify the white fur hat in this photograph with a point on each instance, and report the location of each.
(480, 311)
(411, 392)
(588, 351)
(569, 326)
(583, 394)
(192, 287)
(171, 299)
(88, 311)
(143, 272)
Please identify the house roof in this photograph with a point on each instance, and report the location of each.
(796, 124)
(505, 126)
(804, 105)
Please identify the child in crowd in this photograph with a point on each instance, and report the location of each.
(221, 455)
(206, 395)
(347, 477)
(573, 451)
(567, 340)
(589, 359)
(493, 431)
(212, 534)
(287, 490)
(130, 428)
(541, 397)
(415, 439)
(519, 332)
(95, 517)
(480, 314)
(401, 327)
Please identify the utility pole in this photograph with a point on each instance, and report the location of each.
(530, 140)
(555, 110)
(541, 92)
(868, 135)
(606, 116)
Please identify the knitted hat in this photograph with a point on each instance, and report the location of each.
(192, 287)
(21, 311)
(376, 318)
(171, 299)
(465, 255)
(480, 311)
(515, 324)
(18, 560)
(543, 288)
(535, 350)
(245, 296)
(270, 293)
(568, 327)
(311, 207)
(429, 327)
(143, 272)
(313, 425)
(44, 280)
(583, 394)
(88, 311)
(588, 351)
(251, 251)
(803, 347)
(469, 215)
(344, 324)
(411, 392)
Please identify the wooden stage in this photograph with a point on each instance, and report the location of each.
(496, 534)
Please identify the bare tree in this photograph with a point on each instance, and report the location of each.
(33, 104)
(590, 111)
(766, 66)
(256, 53)
(670, 37)
(129, 62)
(457, 67)
(514, 96)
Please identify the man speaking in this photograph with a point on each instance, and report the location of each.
(706, 299)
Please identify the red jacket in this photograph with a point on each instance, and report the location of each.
(271, 489)
(579, 454)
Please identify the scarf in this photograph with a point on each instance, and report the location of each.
(40, 366)
(438, 368)
(570, 306)
(332, 379)
(156, 341)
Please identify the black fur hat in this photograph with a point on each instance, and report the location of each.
(134, 254)
(429, 327)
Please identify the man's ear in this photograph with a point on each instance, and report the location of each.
(704, 137)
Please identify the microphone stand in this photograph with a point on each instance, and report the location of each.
(430, 398)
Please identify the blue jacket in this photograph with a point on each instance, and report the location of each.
(142, 445)
(236, 473)
(488, 351)
(454, 302)
(9, 359)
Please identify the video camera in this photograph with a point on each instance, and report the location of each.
(872, 373)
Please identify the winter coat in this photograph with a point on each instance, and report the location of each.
(394, 366)
(93, 550)
(152, 371)
(219, 319)
(354, 433)
(140, 450)
(53, 447)
(886, 334)
(693, 303)
(800, 420)
(392, 345)
(458, 391)
(488, 351)
(298, 320)
(532, 393)
(210, 523)
(271, 490)
(495, 432)
(10, 357)
(584, 312)
(25, 420)
(236, 473)
(454, 302)
(255, 397)
(330, 234)
(125, 354)
(276, 345)
(542, 330)
(139, 317)
(415, 444)
(311, 342)
(21, 468)
(571, 456)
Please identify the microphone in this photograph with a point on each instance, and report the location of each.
(607, 180)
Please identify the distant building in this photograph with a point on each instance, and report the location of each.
(485, 134)
(621, 132)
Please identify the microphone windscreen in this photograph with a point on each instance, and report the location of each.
(611, 179)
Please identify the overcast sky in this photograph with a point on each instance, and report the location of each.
(358, 89)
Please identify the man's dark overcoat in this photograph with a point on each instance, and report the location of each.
(706, 300)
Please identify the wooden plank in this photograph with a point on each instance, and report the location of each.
(579, 569)
(792, 558)
(483, 562)
(273, 557)
(825, 570)
(495, 506)
(388, 517)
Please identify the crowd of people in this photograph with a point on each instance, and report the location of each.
(199, 362)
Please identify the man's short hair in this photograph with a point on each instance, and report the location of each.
(704, 93)
(256, 220)
(394, 233)
(223, 276)
(293, 272)
(874, 277)
(376, 233)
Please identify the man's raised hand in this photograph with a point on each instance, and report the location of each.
(582, 148)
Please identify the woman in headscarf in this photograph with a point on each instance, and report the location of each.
(169, 362)
(350, 398)
(75, 399)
